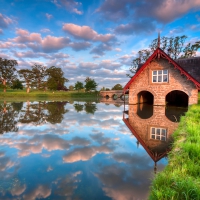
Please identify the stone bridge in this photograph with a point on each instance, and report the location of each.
(113, 94)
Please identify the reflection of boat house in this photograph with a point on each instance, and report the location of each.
(162, 80)
(153, 132)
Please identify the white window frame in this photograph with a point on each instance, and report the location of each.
(158, 133)
(160, 74)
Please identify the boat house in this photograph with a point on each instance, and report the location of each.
(162, 80)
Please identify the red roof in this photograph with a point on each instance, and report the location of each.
(157, 54)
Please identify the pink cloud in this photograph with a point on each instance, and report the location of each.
(37, 43)
(86, 33)
(5, 21)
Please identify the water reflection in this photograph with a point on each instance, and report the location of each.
(153, 127)
(79, 150)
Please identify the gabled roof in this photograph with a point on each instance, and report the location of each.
(159, 53)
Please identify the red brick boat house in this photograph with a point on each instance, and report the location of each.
(162, 80)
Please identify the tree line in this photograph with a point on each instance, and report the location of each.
(39, 77)
(175, 47)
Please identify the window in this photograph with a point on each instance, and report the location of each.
(160, 76)
(158, 133)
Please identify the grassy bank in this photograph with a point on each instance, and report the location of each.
(181, 178)
(21, 94)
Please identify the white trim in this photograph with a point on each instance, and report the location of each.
(159, 76)
(158, 133)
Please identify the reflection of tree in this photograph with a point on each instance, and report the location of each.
(17, 106)
(78, 107)
(56, 110)
(90, 107)
(34, 113)
(8, 117)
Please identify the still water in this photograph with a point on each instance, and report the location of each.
(82, 150)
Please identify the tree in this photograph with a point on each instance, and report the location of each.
(103, 89)
(90, 85)
(7, 71)
(39, 74)
(56, 79)
(71, 88)
(117, 87)
(174, 46)
(17, 84)
(87, 79)
(27, 75)
(78, 85)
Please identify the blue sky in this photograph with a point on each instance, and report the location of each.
(91, 38)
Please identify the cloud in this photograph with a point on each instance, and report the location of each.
(78, 46)
(5, 21)
(100, 49)
(37, 43)
(133, 11)
(45, 30)
(114, 10)
(70, 5)
(139, 26)
(1, 31)
(48, 16)
(86, 33)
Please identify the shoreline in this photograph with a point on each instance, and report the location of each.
(48, 95)
(181, 177)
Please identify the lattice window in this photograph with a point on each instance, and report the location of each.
(159, 133)
(160, 76)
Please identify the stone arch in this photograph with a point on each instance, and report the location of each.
(145, 96)
(115, 96)
(107, 96)
(177, 98)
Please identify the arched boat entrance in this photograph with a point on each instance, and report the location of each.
(145, 97)
(177, 98)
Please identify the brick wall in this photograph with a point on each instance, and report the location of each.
(159, 120)
(159, 90)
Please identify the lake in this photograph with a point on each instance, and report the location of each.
(82, 150)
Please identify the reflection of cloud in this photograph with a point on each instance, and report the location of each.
(79, 141)
(85, 153)
(40, 192)
(2, 153)
(99, 137)
(120, 184)
(18, 189)
(49, 169)
(39, 142)
(65, 186)
(5, 163)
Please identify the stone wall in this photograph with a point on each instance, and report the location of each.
(159, 90)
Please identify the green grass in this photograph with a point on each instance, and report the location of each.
(35, 94)
(181, 178)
